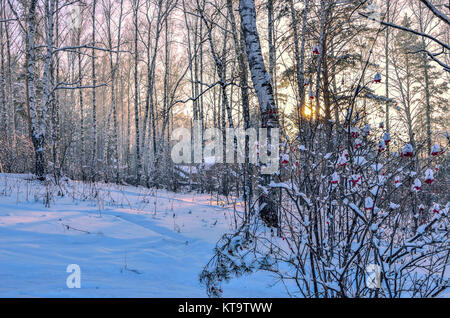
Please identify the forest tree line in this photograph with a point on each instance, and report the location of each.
(94, 88)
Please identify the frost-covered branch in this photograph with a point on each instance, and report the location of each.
(432, 38)
(436, 12)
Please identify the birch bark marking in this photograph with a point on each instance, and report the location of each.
(264, 92)
(30, 76)
(38, 117)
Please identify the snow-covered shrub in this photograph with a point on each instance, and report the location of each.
(342, 211)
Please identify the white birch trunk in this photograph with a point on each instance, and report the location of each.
(264, 92)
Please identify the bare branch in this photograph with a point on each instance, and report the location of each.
(435, 11)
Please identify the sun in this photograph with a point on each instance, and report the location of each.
(308, 111)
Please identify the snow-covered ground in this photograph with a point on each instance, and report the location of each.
(128, 242)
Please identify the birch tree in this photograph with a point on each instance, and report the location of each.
(264, 92)
(39, 114)
(94, 101)
(138, 162)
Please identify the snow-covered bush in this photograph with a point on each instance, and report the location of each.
(345, 210)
